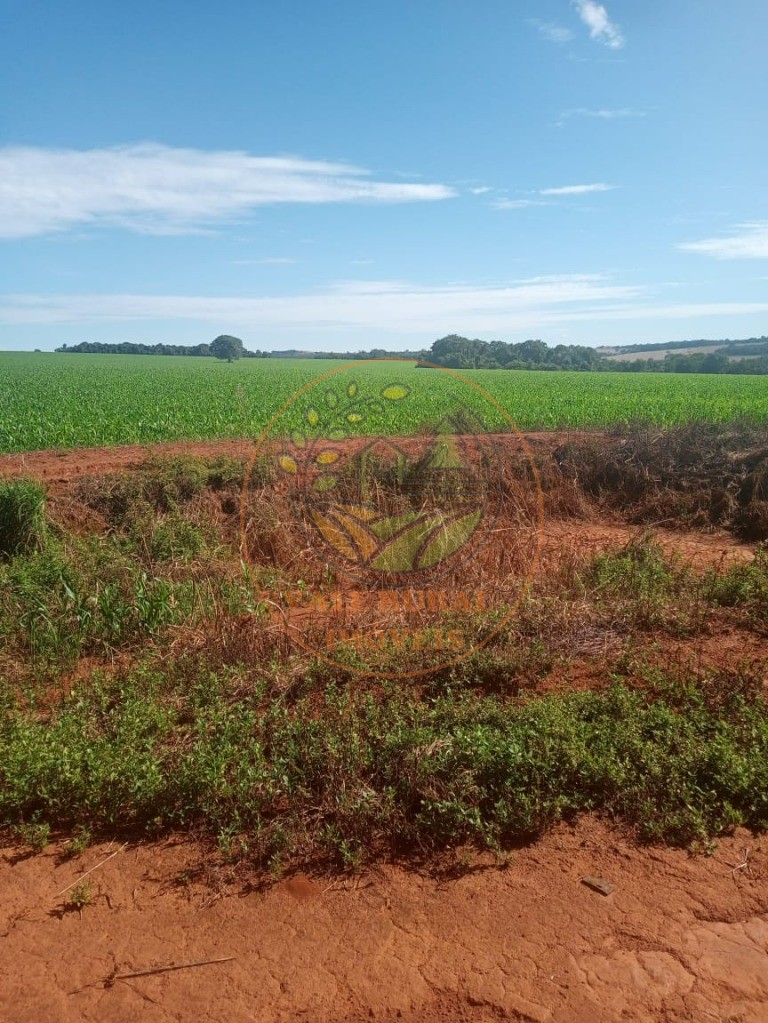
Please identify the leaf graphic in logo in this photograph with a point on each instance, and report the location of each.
(352, 389)
(288, 464)
(324, 483)
(312, 417)
(448, 538)
(362, 513)
(395, 392)
(335, 536)
(298, 438)
(331, 399)
(386, 528)
(400, 554)
(364, 541)
(346, 534)
(327, 457)
(354, 417)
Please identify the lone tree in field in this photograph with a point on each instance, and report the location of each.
(227, 347)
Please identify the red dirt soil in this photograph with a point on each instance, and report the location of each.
(61, 465)
(681, 937)
(699, 550)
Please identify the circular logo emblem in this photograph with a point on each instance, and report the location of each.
(399, 496)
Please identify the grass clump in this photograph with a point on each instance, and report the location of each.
(165, 485)
(175, 538)
(88, 596)
(35, 835)
(643, 588)
(81, 895)
(744, 587)
(22, 517)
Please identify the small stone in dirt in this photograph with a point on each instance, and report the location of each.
(597, 884)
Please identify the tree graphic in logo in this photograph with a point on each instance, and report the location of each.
(385, 508)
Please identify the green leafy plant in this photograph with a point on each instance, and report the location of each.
(81, 895)
(36, 835)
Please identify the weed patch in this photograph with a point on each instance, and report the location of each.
(22, 517)
(346, 772)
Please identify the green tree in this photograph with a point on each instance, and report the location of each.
(227, 347)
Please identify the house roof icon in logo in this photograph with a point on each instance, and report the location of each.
(380, 453)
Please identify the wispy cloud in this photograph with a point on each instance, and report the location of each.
(158, 189)
(602, 114)
(750, 243)
(533, 199)
(395, 306)
(578, 189)
(552, 32)
(517, 204)
(600, 26)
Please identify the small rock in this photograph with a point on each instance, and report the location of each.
(597, 884)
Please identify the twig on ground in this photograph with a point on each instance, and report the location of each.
(167, 969)
(744, 865)
(96, 867)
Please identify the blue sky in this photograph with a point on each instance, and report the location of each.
(346, 175)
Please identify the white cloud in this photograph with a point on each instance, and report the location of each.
(603, 114)
(751, 243)
(552, 32)
(577, 189)
(395, 305)
(157, 189)
(600, 26)
(398, 307)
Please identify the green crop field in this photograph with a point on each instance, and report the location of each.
(65, 401)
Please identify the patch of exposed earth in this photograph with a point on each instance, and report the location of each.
(681, 937)
(63, 464)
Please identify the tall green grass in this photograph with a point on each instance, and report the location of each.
(22, 517)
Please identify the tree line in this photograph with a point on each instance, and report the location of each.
(457, 352)
(225, 346)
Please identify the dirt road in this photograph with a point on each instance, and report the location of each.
(680, 938)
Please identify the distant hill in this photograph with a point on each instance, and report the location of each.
(658, 350)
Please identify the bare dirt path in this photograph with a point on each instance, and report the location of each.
(61, 465)
(681, 938)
